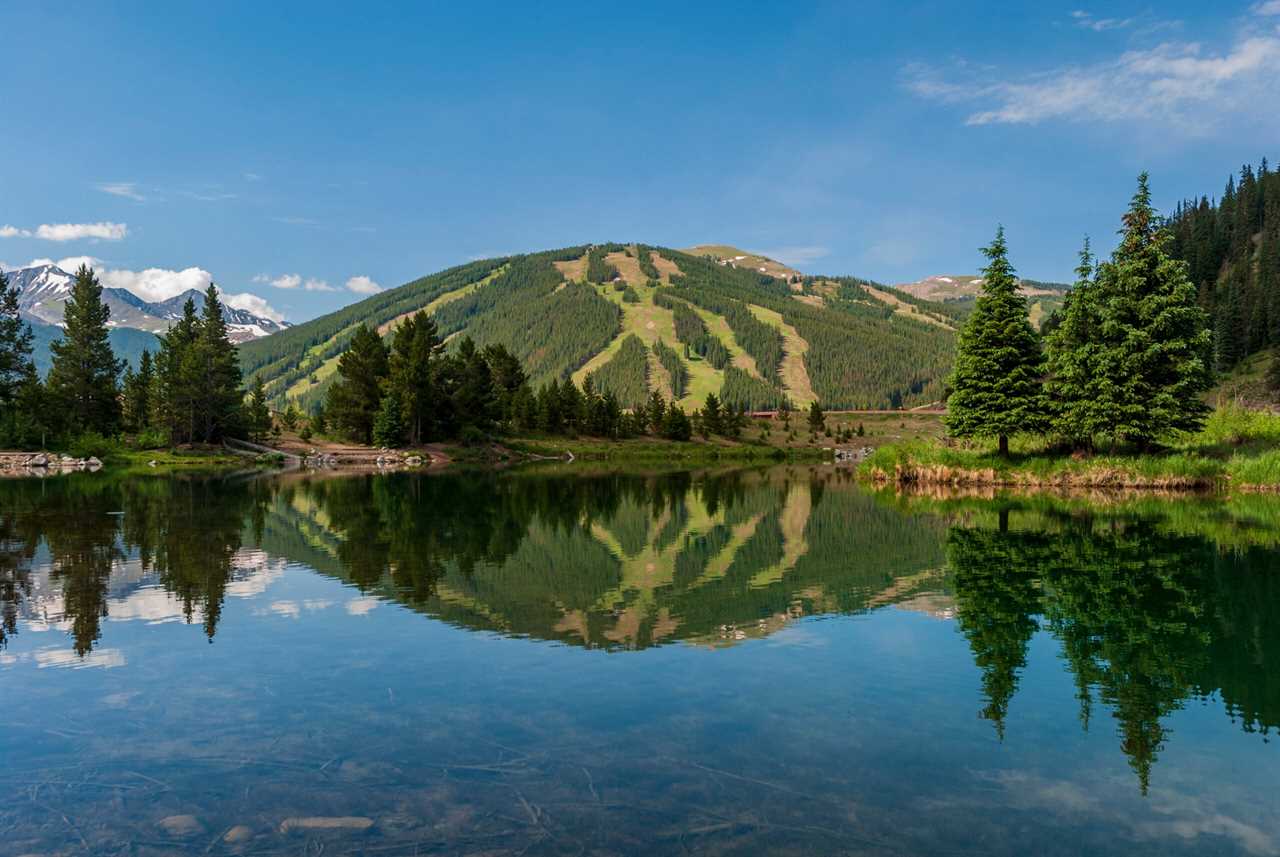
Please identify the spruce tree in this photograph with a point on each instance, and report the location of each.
(16, 367)
(388, 427)
(354, 400)
(20, 388)
(712, 418)
(83, 381)
(177, 385)
(257, 412)
(1072, 361)
(138, 386)
(219, 397)
(415, 354)
(817, 419)
(996, 384)
(1155, 350)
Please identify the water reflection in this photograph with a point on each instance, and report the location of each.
(1148, 615)
(1149, 604)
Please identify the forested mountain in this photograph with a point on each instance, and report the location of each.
(637, 318)
(1232, 247)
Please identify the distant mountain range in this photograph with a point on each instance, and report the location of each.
(43, 291)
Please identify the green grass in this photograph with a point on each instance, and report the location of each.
(1236, 448)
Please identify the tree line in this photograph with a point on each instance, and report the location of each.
(1232, 249)
(1128, 361)
(413, 390)
(189, 391)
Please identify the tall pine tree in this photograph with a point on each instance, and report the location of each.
(83, 381)
(216, 372)
(354, 400)
(1072, 361)
(996, 384)
(1154, 345)
(19, 385)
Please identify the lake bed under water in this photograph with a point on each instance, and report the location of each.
(576, 662)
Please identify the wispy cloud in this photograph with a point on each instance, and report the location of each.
(156, 284)
(128, 190)
(252, 177)
(1269, 7)
(104, 231)
(363, 286)
(1184, 84)
(1099, 25)
(294, 281)
(296, 221)
(209, 195)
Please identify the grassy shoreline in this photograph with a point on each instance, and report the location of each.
(1238, 450)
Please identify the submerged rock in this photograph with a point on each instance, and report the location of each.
(239, 833)
(181, 825)
(326, 822)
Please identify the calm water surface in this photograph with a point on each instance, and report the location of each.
(573, 663)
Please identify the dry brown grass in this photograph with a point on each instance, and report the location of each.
(574, 271)
(795, 377)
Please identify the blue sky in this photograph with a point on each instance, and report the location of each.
(303, 155)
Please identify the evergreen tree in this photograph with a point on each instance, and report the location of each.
(137, 394)
(353, 401)
(176, 394)
(219, 397)
(676, 425)
(16, 367)
(416, 351)
(656, 413)
(19, 384)
(1072, 361)
(817, 419)
(1155, 354)
(258, 413)
(996, 383)
(712, 419)
(83, 381)
(388, 427)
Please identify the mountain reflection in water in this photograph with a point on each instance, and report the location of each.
(1150, 604)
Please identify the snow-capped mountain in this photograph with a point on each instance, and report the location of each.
(242, 325)
(43, 291)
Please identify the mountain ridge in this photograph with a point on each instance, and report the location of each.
(706, 325)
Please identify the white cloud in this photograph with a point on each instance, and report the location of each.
(70, 264)
(8, 231)
(128, 190)
(1098, 25)
(284, 281)
(75, 231)
(1183, 84)
(293, 281)
(252, 177)
(363, 286)
(295, 221)
(1269, 7)
(157, 284)
(254, 304)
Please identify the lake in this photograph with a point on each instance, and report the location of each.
(576, 661)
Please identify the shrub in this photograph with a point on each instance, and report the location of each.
(150, 439)
(93, 445)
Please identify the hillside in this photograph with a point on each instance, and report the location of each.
(960, 291)
(637, 318)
